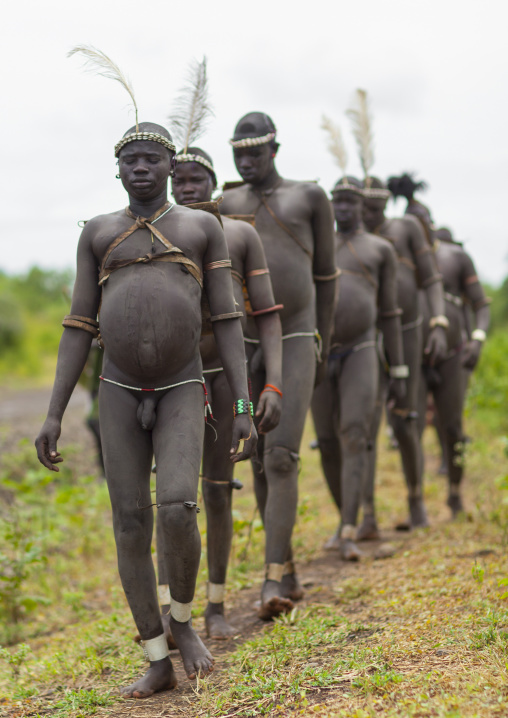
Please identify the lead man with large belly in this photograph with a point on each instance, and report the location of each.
(145, 268)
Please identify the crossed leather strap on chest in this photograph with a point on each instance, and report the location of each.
(170, 253)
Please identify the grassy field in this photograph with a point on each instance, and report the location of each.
(423, 632)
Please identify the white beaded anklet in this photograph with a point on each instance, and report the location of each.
(216, 592)
(181, 612)
(274, 572)
(348, 532)
(155, 649)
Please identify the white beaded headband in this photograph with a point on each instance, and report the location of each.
(196, 158)
(376, 193)
(344, 186)
(253, 141)
(152, 136)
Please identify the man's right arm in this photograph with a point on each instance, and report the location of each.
(73, 349)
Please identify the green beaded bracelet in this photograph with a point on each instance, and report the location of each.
(243, 407)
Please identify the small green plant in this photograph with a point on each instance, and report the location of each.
(15, 659)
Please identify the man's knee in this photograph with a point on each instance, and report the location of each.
(133, 531)
(178, 516)
(354, 438)
(217, 494)
(280, 460)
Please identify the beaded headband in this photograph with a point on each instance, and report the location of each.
(196, 158)
(153, 136)
(376, 193)
(346, 187)
(253, 141)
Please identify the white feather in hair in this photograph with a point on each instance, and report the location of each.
(98, 62)
(192, 108)
(335, 143)
(362, 130)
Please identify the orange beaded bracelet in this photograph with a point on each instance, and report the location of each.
(271, 387)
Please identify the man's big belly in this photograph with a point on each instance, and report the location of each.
(150, 320)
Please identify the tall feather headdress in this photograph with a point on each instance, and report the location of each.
(192, 108)
(335, 143)
(99, 63)
(362, 130)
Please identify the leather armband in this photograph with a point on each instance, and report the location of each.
(218, 264)
(230, 315)
(85, 323)
(432, 280)
(268, 310)
(327, 277)
(439, 321)
(399, 371)
(473, 279)
(258, 272)
(483, 302)
(425, 250)
(390, 314)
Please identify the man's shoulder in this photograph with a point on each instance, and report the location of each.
(308, 187)
(103, 223)
(196, 216)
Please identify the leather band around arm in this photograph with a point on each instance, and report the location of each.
(432, 280)
(229, 315)
(75, 321)
(219, 264)
(268, 310)
(483, 302)
(327, 277)
(390, 314)
(258, 272)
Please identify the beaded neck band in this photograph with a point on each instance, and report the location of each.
(196, 158)
(253, 141)
(376, 193)
(152, 136)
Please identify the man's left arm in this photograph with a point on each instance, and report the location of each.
(228, 335)
(432, 283)
(473, 291)
(324, 270)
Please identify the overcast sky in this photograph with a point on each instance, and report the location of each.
(436, 72)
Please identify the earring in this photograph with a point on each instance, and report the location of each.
(273, 155)
(117, 176)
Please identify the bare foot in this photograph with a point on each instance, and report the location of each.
(349, 551)
(456, 505)
(290, 587)
(368, 531)
(333, 543)
(272, 601)
(417, 513)
(159, 677)
(216, 625)
(197, 660)
(167, 632)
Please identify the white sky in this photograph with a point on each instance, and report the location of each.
(436, 72)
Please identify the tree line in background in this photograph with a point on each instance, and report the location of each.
(32, 306)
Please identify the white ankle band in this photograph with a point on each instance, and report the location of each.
(181, 612)
(164, 594)
(156, 648)
(348, 532)
(289, 568)
(216, 592)
(274, 572)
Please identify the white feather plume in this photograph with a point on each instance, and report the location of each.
(99, 63)
(335, 143)
(362, 130)
(192, 108)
